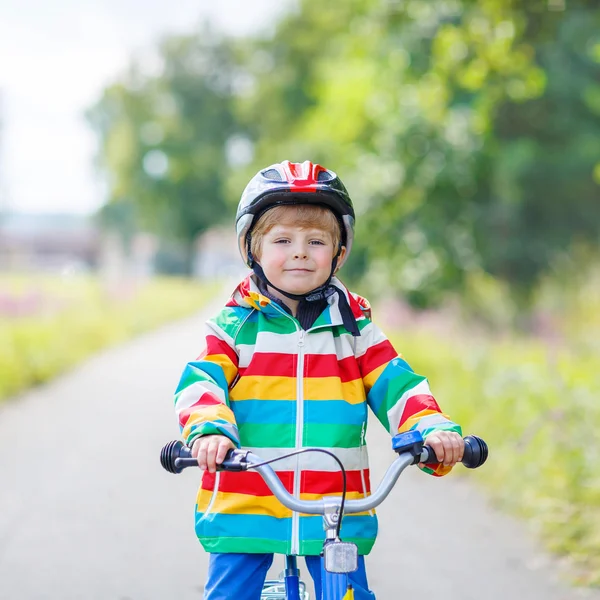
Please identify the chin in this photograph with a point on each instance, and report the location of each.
(303, 288)
(298, 287)
(291, 289)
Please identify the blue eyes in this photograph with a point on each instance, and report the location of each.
(313, 242)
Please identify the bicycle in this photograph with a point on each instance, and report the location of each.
(339, 557)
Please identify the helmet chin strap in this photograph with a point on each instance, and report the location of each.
(320, 293)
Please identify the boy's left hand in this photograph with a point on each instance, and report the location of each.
(447, 445)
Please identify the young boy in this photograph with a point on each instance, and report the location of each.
(292, 361)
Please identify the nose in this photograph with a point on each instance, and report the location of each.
(300, 251)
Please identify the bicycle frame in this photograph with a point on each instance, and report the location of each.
(291, 587)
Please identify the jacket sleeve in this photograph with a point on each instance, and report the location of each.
(401, 399)
(202, 395)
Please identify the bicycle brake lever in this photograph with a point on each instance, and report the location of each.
(235, 460)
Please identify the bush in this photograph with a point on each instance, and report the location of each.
(52, 325)
(538, 407)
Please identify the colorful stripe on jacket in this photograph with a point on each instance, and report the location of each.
(272, 388)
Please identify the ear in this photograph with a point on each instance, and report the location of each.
(340, 258)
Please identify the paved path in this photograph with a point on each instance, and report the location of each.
(86, 512)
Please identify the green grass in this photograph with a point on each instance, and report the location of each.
(48, 325)
(538, 407)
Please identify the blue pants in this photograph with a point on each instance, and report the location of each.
(241, 576)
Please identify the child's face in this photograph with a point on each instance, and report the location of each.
(297, 260)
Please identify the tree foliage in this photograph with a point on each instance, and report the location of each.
(164, 133)
(462, 129)
(467, 132)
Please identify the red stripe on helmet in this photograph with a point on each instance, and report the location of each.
(302, 177)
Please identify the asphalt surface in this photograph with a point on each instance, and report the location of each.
(86, 512)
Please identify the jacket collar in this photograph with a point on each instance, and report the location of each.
(248, 295)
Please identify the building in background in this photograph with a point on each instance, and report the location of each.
(76, 244)
(53, 243)
(217, 255)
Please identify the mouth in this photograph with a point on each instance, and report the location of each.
(298, 271)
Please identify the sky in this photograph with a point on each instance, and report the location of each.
(55, 59)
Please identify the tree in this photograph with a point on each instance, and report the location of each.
(164, 136)
(545, 193)
(437, 115)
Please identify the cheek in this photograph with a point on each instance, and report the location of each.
(324, 259)
(275, 257)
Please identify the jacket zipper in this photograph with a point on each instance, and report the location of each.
(295, 542)
(295, 549)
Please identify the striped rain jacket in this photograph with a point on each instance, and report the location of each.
(272, 387)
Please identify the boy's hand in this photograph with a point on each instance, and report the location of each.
(447, 445)
(210, 451)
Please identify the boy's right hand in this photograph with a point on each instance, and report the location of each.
(210, 451)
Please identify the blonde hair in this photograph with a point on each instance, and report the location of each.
(305, 216)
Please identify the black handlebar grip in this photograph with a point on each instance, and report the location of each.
(176, 456)
(427, 456)
(169, 454)
(475, 454)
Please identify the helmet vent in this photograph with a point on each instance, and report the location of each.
(272, 174)
(324, 176)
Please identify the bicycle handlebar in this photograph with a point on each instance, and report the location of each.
(175, 457)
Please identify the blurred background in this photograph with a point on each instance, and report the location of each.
(468, 136)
